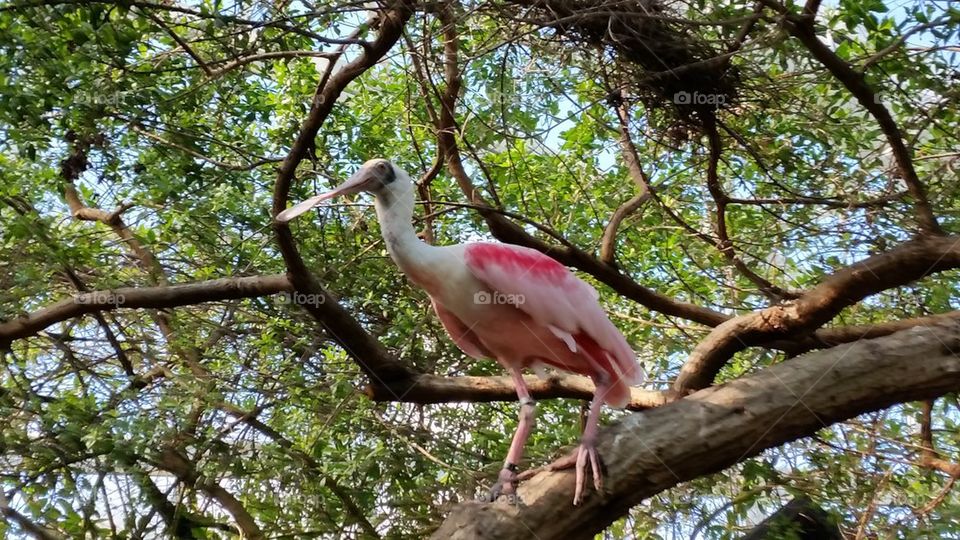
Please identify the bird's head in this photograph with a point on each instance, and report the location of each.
(378, 176)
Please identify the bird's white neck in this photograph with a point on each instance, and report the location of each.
(411, 254)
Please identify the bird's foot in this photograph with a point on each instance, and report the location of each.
(506, 486)
(566, 462)
(587, 452)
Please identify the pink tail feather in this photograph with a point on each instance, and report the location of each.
(617, 393)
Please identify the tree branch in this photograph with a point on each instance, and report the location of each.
(928, 454)
(143, 297)
(721, 200)
(370, 355)
(424, 388)
(177, 464)
(906, 263)
(608, 247)
(40, 532)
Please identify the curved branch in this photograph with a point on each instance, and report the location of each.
(906, 263)
(179, 465)
(928, 454)
(648, 452)
(608, 241)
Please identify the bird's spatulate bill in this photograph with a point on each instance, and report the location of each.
(300, 208)
(354, 184)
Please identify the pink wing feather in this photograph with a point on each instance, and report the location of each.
(554, 297)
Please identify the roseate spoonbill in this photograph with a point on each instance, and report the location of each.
(506, 302)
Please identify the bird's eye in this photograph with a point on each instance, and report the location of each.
(389, 174)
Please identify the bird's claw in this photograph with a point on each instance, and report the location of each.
(506, 487)
(585, 453)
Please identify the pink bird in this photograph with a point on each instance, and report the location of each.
(506, 302)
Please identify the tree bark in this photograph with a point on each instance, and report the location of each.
(185, 294)
(648, 452)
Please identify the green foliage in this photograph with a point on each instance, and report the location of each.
(195, 153)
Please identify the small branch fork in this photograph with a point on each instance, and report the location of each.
(722, 241)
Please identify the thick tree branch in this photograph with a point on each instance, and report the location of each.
(908, 262)
(143, 297)
(648, 452)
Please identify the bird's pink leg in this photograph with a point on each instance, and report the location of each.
(506, 483)
(588, 446)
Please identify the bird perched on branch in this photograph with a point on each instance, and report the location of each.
(505, 302)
